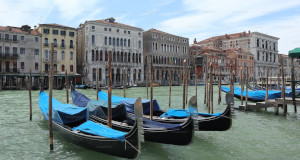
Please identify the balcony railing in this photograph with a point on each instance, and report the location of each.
(46, 60)
(10, 70)
(15, 40)
(62, 46)
(46, 44)
(71, 46)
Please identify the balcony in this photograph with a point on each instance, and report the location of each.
(62, 46)
(46, 44)
(15, 40)
(71, 46)
(15, 56)
(10, 70)
(46, 60)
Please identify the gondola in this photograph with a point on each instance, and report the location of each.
(204, 122)
(81, 86)
(73, 123)
(176, 134)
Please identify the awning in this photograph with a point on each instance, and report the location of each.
(295, 53)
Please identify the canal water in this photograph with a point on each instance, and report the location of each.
(253, 135)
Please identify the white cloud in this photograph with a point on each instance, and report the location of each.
(216, 17)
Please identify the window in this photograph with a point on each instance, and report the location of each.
(71, 33)
(109, 40)
(105, 29)
(93, 55)
(62, 55)
(140, 44)
(128, 42)
(36, 52)
(36, 66)
(55, 67)
(46, 54)
(22, 38)
(71, 55)
(46, 31)
(0, 36)
(114, 41)
(22, 50)
(121, 42)
(109, 29)
(15, 50)
(55, 42)
(105, 40)
(93, 27)
(0, 52)
(63, 33)
(140, 34)
(124, 31)
(71, 68)
(55, 57)
(15, 38)
(62, 68)
(36, 39)
(93, 39)
(55, 32)
(62, 43)
(128, 32)
(22, 65)
(46, 42)
(118, 42)
(118, 30)
(7, 37)
(125, 41)
(71, 43)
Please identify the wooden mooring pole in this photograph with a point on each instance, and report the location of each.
(67, 85)
(109, 111)
(196, 75)
(246, 100)
(283, 90)
(220, 83)
(205, 85)
(170, 89)
(211, 90)
(97, 75)
(187, 87)
(30, 99)
(50, 96)
(293, 86)
(151, 90)
(242, 85)
(124, 82)
(267, 85)
(183, 93)
(147, 75)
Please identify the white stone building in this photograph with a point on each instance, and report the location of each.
(96, 38)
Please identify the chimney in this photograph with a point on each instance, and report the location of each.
(195, 41)
(110, 20)
(35, 28)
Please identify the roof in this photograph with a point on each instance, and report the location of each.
(56, 25)
(226, 36)
(295, 53)
(161, 32)
(18, 30)
(114, 23)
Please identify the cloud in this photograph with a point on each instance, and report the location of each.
(149, 12)
(216, 17)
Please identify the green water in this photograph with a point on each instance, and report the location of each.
(254, 135)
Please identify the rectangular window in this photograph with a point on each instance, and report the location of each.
(0, 36)
(22, 65)
(109, 29)
(93, 27)
(46, 67)
(6, 50)
(105, 29)
(46, 31)
(22, 38)
(118, 30)
(36, 52)
(124, 31)
(71, 34)
(128, 32)
(0, 52)
(54, 31)
(36, 66)
(7, 37)
(15, 50)
(22, 50)
(36, 39)
(15, 38)
(63, 33)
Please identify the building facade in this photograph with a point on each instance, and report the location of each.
(167, 52)
(64, 41)
(263, 47)
(287, 65)
(98, 37)
(20, 51)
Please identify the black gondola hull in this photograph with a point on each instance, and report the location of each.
(101, 144)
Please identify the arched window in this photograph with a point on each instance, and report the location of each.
(109, 41)
(71, 55)
(62, 68)
(46, 42)
(55, 42)
(46, 54)
(71, 68)
(71, 43)
(125, 41)
(100, 74)
(93, 55)
(140, 44)
(55, 56)
(140, 58)
(93, 39)
(128, 57)
(121, 42)
(101, 56)
(105, 40)
(97, 55)
(133, 58)
(136, 58)
(121, 57)
(118, 57)
(63, 43)
(114, 41)
(94, 74)
(128, 42)
(125, 57)
(118, 42)
(62, 55)
(106, 56)
(55, 67)
(257, 41)
(114, 57)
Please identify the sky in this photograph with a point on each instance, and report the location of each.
(198, 19)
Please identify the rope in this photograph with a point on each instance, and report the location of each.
(131, 146)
